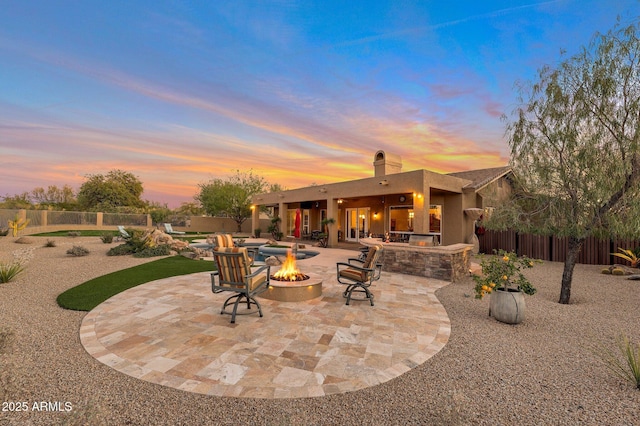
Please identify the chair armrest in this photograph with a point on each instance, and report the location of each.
(353, 259)
(214, 274)
(259, 270)
(349, 265)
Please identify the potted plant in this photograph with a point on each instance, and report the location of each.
(502, 278)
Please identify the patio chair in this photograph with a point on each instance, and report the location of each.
(234, 274)
(169, 230)
(226, 240)
(122, 233)
(358, 275)
(223, 240)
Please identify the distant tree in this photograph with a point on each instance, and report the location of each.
(575, 148)
(18, 201)
(231, 197)
(110, 192)
(53, 196)
(158, 212)
(189, 209)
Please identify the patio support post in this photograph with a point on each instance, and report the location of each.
(421, 204)
(332, 212)
(282, 214)
(255, 219)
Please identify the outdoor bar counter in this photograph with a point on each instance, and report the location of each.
(449, 263)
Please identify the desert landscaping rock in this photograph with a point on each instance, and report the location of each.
(542, 371)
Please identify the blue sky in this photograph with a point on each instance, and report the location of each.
(179, 92)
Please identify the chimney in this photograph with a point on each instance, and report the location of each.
(386, 164)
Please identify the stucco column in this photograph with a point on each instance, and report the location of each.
(255, 220)
(421, 213)
(282, 214)
(332, 212)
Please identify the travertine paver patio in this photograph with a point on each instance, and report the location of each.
(170, 332)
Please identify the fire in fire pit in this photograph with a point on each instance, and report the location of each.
(289, 270)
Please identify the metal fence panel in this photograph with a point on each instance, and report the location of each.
(34, 217)
(496, 240)
(124, 219)
(71, 218)
(594, 251)
(6, 215)
(534, 246)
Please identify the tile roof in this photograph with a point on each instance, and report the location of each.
(482, 177)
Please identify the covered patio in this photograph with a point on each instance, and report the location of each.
(394, 203)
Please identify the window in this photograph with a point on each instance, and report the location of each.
(435, 219)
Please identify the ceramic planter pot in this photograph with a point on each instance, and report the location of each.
(507, 305)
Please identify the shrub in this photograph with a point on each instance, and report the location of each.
(4, 232)
(78, 251)
(107, 238)
(121, 250)
(74, 233)
(503, 271)
(8, 271)
(628, 255)
(626, 366)
(50, 243)
(162, 250)
(258, 232)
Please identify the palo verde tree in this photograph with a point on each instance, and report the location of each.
(575, 148)
(231, 197)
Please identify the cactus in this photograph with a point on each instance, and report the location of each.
(17, 225)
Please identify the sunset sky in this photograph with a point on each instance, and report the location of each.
(300, 92)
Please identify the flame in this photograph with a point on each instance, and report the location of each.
(289, 271)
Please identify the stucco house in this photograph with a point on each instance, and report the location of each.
(402, 204)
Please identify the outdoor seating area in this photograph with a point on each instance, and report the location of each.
(297, 349)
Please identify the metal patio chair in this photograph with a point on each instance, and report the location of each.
(358, 274)
(234, 274)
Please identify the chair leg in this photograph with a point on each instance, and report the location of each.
(236, 299)
(352, 287)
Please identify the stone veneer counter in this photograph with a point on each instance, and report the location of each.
(450, 263)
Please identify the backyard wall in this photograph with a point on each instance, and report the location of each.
(594, 251)
(49, 221)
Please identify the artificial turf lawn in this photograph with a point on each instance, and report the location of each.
(90, 294)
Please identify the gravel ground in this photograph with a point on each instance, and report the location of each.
(542, 371)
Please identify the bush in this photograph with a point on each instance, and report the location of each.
(4, 232)
(121, 250)
(50, 243)
(74, 233)
(162, 250)
(626, 366)
(503, 271)
(78, 251)
(8, 271)
(107, 238)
